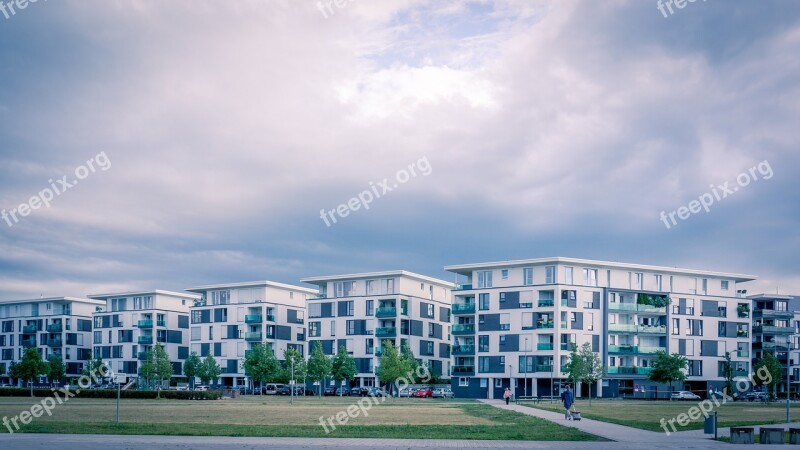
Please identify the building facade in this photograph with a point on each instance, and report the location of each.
(362, 311)
(60, 325)
(515, 323)
(131, 323)
(775, 331)
(230, 318)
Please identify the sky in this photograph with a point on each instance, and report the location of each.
(224, 136)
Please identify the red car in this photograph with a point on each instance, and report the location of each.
(423, 393)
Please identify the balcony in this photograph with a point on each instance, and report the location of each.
(386, 311)
(252, 337)
(544, 346)
(544, 367)
(650, 309)
(253, 318)
(651, 350)
(742, 354)
(459, 350)
(543, 325)
(564, 368)
(466, 308)
(771, 329)
(161, 323)
(656, 329)
(141, 356)
(772, 314)
(29, 329)
(145, 340)
(622, 349)
(740, 373)
(145, 323)
(622, 328)
(628, 370)
(463, 328)
(546, 303)
(463, 371)
(270, 317)
(54, 342)
(619, 306)
(386, 331)
(28, 342)
(55, 328)
(464, 287)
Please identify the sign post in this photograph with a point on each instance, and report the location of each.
(119, 379)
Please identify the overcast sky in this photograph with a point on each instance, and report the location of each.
(548, 129)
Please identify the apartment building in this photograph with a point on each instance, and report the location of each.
(230, 318)
(131, 323)
(361, 311)
(515, 323)
(775, 331)
(59, 325)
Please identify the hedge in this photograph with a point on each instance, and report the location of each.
(112, 393)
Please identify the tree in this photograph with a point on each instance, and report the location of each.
(191, 367)
(393, 366)
(55, 368)
(261, 365)
(93, 366)
(157, 367)
(344, 366)
(588, 367)
(294, 365)
(13, 370)
(771, 364)
(209, 370)
(668, 368)
(575, 367)
(319, 366)
(31, 366)
(727, 373)
(413, 364)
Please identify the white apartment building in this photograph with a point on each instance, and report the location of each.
(361, 311)
(132, 322)
(60, 325)
(231, 318)
(515, 323)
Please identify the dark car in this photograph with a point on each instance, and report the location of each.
(356, 392)
(309, 392)
(757, 397)
(342, 391)
(329, 391)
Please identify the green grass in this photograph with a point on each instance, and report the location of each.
(647, 415)
(274, 417)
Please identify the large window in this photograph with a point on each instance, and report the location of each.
(550, 274)
(314, 329)
(314, 310)
(590, 277)
(370, 307)
(344, 288)
(484, 279)
(388, 285)
(569, 273)
(483, 301)
(527, 276)
(483, 343)
(659, 284)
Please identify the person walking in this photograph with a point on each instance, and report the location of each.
(567, 398)
(507, 395)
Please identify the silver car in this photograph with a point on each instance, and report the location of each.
(443, 393)
(684, 395)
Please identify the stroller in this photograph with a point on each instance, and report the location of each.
(575, 415)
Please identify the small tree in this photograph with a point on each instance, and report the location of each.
(13, 371)
(727, 373)
(209, 370)
(319, 365)
(163, 366)
(294, 365)
(668, 368)
(393, 366)
(191, 367)
(412, 363)
(31, 366)
(771, 364)
(344, 366)
(93, 366)
(575, 369)
(261, 365)
(55, 368)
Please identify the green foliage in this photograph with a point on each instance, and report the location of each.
(93, 366)
(413, 363)
(771, 364)
(393, 365)
(209, 370)
(668, 368)
(261, 365)
(191, 367)
(344, 366)
(156, 366)
(31, 366)
(659, 301)
(112, 393)
(319, 365)
(300, 369)
(727, 373)
(55, 368)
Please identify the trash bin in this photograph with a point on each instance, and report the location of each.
(742, 435)
(710, 425)
(770, 435)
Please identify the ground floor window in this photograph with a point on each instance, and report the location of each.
(463, 382)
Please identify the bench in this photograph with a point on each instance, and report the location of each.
(742, 435)
(770, 435)
(794, 436)
(536, 398)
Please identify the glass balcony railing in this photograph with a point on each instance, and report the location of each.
(619, 306)
(621, 328)
(29, 329)
(161, 323)
(463, 370)
(145, 323)
(548, 324)
(386, 311)
(544, 367)
(742, 353)
(54, 328)
(253, 318)
(386, 331)
(270, 317)
(146, 340)
(740, 373)
(466, 308)
(28, 342)
(463, 350)
(464, 287)
(771, 329)
(254, 336)
(651, 350)
(544, 346)
(141, 356)
(54, 342)
(622, 349)
(546, 303)
(656, 329)
(463, 328)
(628, 370)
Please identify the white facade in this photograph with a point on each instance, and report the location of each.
(60, 325)
(361, 311)
(132, 322)
(231, 318)
(518, 320)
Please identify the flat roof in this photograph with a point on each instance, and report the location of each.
(155, 292)
(55, 299)
(389, 273)
(465, 269)
(770, 297)
(243, 284)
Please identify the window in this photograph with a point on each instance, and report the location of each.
(659, 286)
(430, 311)
(351, 328)
(498, 382)
(98, 337)
(705, 286)
(333, 328)
(370, 307)
(638, 281)
(504, 274)
(314, 329)
(483, 302)
(690, 306)
(550, 274)
(505, 321)
(723, 285)
(676, 326)
(590, 277)
(527, 276)
(314, 310)
(388, 285)
(483, 364)
(483, 343)
(350, 308)
(502, 340)
(590, 324)
(463, 382)
(484, 279)
(527, 321)
(371, 288)
(569, 275)
(344, 288)
(430, 329)
(694, 327)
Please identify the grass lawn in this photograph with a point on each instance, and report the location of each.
(647, 415)
(273, 416)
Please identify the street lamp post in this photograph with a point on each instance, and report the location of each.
(291, 385)
(526, 367)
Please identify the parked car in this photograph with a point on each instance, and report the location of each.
(684, 395)
(308, 392)
(405, 392)
(356, 392)
(329, 391)
(442, 393)
(377, 392)
(342, 391)
(756, 396)
(423, 393)
(243, 390)
(273, 389)
(201, 387)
